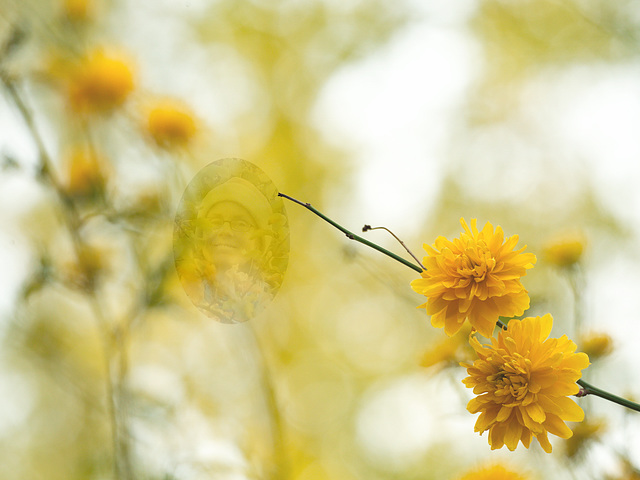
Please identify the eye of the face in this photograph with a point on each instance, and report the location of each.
(240, 226)
(217, 223)
(237, 225)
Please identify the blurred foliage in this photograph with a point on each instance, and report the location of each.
(107, 370)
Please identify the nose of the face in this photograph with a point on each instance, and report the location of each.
(225, 229)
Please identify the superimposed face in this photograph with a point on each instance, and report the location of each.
(231, 240)
(233, 234)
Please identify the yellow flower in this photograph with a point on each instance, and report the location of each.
(84, 173)
(78, 10)
(522, 382)
(493, 472)
(583, 434)
(565, 251)
(596, 345)
(100, 83)
(629, 471)
(170, 124)
(449, 351)
(85, 270)
(474, 277)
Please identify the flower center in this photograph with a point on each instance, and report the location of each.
(512, 380)
(475, 262)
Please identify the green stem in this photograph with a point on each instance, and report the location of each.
(588, 389)
(352, 236)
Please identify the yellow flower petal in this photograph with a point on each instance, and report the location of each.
(571, 411)
(536, 412)
(477, 276)
(522, 381)
(556, 426)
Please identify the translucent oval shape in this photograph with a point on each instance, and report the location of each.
(231, 240)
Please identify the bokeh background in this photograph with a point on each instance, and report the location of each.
(407, 114)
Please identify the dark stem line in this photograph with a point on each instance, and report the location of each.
(352, 236)
(588, 389)
(366, 228)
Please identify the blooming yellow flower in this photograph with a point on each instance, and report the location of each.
(565, 251)
(100, 83)
(170, 124)
(522, 382)
(474, 277)
(493, 472)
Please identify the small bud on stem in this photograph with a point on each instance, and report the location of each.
(366, 228)
(352, 236)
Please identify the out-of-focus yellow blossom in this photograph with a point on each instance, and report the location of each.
(596, 344)
(101, 82)
(474, 277)
(565, 251)
(147, 201)
(84, 173)
(78, 10)
(522, 382)
(83, 272)
(449, 351)
(493, 472)
(629, 472)
(194, 270)
(583, 434)
(170, 124)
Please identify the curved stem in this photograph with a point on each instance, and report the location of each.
(352, 236)
(366, 228)
(71, 218)
(588, 389)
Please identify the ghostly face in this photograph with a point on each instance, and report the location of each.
(233, 235)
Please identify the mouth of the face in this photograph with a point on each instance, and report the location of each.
(226, 244)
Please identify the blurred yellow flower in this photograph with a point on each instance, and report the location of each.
(84, 173)
(474, 277)
(449, 351)
(522, 382)
(583, 433)
(565, 251)
(493, 472)
(596, 344)
(630, 472)
(170, 124)
(84, 271)
(100, 82)
(77, 10)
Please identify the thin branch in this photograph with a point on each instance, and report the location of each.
(588, 389)
(366, 228)
(352, 236)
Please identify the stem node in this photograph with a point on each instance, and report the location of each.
(352, 236)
